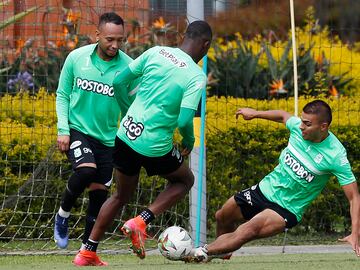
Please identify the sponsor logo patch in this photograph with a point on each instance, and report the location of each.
(133, 129)
(87, 150)
(298, 168)
(77, 152)
(75, 144)
(77, 160)
(172, 58)
(176, 153)
(95, 87)
(247, 196)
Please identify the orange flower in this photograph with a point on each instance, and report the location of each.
(160, 23)
(277, 87)
(319, 60)
(19, 44)
(333, 91)
(72, 16)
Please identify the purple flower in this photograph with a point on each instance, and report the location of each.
(22, 80)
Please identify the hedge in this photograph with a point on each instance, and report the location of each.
(239, 153)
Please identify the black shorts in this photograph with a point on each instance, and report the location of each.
(129, 162)
(252, 201)
(86, 149)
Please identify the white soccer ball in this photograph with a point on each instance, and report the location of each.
(175, 243)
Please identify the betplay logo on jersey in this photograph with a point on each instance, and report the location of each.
(172, 58)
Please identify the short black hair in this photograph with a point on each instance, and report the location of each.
(321, 108)
(198, 29)
(110, 17)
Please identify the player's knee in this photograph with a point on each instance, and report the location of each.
(80, 179)
(120, 198)
(190, 181)
(97, 198)
(219, 216)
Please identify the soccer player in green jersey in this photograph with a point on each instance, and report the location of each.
(168, 96)
(88, 115)
(279, 200)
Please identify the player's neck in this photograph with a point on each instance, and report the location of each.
(322, 137)
(187, 47)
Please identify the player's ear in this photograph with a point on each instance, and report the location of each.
(205, 47)
(97, 33)
(207, 44)
(324, 126)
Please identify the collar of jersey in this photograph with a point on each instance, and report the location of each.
(112, 62)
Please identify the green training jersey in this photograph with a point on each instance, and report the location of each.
(170, 79)
(85, 97)
(304, 169)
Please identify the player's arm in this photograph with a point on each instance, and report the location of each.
(352, 194)
(123, 85)
(63, 93)
(186, 129)
(273, 115)
(189, 105)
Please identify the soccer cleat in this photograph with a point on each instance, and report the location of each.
(88, 258)
(201, 258)
(61, 236)
(135, 229)
(200, 254)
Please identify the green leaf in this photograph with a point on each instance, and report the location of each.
(272, 63)
(5, 69)
(17, 17)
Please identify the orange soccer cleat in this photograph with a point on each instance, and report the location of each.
(135, 229)
(88, 258)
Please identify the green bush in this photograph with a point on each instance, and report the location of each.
(238, 159)
(239, 154)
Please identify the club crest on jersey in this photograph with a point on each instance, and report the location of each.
(94, 86)
(318, 158)
(298, 168)
(133, 130)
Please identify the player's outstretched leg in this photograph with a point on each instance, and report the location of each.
(61, 236)
(135, 229)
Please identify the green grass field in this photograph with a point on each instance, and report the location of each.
(130, 262)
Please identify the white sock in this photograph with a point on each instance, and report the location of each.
(63, 213)
(82, 246)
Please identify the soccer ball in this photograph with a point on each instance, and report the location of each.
(175, 243)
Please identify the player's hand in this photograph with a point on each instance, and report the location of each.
(247, 113)
(187, 146)
(353, 240)
(185, 152)
(63, 142)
